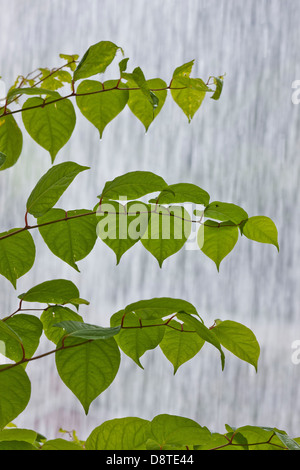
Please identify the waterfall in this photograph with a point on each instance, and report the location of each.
(241, 149)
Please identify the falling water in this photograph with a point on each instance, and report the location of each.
(242, 149)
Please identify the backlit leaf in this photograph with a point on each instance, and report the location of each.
(88, 369)
(70, 240)
(119, 434)
(100, 107)
(187, 92)
(51, 186)
(56, 314)
(121, 226)
(140, 105)
(135, 340)
(176, 431)
(238, 339)
(17, 254)
(29, 328)
(50, 125)
(183, 192)
(160, 307)
(82, 330)
(179, 346)
(96, 59)
(15, 390)
(167, 231)
(204, 332)
(133, 185)
(216, 240)
(56, 291)
(11, 141)
(225, 211)
(261, 229)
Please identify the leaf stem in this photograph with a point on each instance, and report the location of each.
(25, 360)
(71, 95)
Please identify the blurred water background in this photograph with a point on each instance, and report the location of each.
(242, 149)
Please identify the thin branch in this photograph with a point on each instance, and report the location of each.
(71, 95)
(170, 214)
(25, 360)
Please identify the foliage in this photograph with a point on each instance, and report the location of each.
(50, 118)
(88, 356)
(163, 433)
(161, 228)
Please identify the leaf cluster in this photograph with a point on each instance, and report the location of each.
(88, 356)
(49, 117)
(162, 225)
(163, 433)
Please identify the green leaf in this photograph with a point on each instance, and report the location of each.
(60, 444)
(17, 254)
(88, 369)
(133, 185)
(78, 329)
(15, 390)
(259, 438)
(167, 231)
(119, 434)
(29, 329)
(179, 345)
(217, 440)
(78, 301)
(238, 339)
(137, 79)
(177, 431)
(204, 333)
(17, 434)
(287, 441)
(16, 445)
(160, 307)
(261, 229)
(8, 332)
(182, 192)
(11, 141)
(70, 240)
(51, 186)
(50, 125)
(53, 80)
(10, 342)
(2, 159)
(70, 59)
(196, 84)
(123, 65)
(135, 340)
(216, 240)
(225, 211)
(96, 59)
(56, 291)
(187, 92)
(140, 105)
(98, 106)
(188, 99)
(183, 70)
(31, 91)
(218, 81)
(56, 314)
(120, 227)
